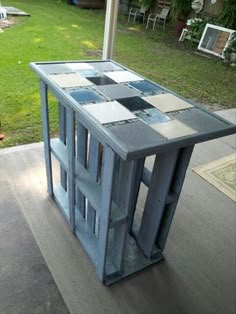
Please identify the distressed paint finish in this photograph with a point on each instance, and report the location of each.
(62, 136)
(112, 246)
(46, 135)
(70, 130)
(107, 187)
(82, 142)
(93, 167)
(156, 199)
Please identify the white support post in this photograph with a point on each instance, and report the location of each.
(110, 28)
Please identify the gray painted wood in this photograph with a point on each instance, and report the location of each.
(122, 146)
(82, 142)
(107, 186)
(175, 188)
(93, 167)
(46, 135)
(139, 164)
(154, 207)
(197, 275)
(70, 130)
(62, 136)
(124, 199)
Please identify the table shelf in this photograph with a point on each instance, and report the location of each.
(59, 150)
(62, 200)
(93, 192)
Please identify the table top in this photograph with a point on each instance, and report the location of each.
(128, 112)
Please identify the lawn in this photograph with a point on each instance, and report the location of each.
(57, 31)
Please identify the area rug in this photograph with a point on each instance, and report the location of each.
(222, 174)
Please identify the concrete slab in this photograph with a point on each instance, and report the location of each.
(26, 284)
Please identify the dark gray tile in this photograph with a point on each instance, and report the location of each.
(127, 134)
(105, 66)
(199, 120)
(101, 80)
(135, 103)
(55, 68)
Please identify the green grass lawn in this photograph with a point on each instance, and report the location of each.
(57, 31)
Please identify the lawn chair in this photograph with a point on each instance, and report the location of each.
(138, 13)
(158, 17)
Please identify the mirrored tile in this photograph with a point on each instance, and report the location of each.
(156, 119)
(123, 76)
(101, 80)
(117, 91)
(173, 129)
(75, 66)
(135, 103)
(167, 102)
(108, 112)
(54, 68)
(70, 80)
(85, 95)
(146, 87)
(88, 73)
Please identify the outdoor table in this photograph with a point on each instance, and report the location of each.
(110, 120)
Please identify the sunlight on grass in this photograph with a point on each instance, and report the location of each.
(75, 26)
(135, 29)
(57, 31)
(60, 28)
(38, 40)
(89, 44)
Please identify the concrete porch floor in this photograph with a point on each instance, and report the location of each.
(44, 269)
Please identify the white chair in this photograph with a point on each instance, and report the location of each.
(137, 13)
(158, 17)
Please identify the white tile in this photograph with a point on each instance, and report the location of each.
(173, 129)
(75, 66)
(107, 112)
(123, 76)
(70, 80)
(167, 102)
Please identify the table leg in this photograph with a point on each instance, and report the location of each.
(70, 131)
(107, 187)
(62, 136)
(136, 187)
(46, 135)
(82, 141)
(175, 188)
(124, 198)
(93, 167)
(162, 173)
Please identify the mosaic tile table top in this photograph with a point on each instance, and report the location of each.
(137, 113)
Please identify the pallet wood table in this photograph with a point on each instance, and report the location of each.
(110, 120)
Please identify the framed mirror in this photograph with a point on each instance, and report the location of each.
(215, 39)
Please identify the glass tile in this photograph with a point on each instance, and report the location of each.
(135, 103)
(85, 95)
(101, 80)
(146, 87)
(88, 73)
